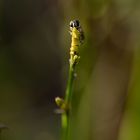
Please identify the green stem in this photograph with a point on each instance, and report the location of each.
(68, 97)
(74, 58)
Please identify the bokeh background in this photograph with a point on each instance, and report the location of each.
(34, 53)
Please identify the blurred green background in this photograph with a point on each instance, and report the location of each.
(34, 53)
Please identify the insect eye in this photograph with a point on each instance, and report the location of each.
(74, 23)
(71, 24)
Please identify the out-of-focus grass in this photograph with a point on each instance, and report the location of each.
(130, 124)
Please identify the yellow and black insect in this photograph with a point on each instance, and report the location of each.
(77, 39)
(76, 24)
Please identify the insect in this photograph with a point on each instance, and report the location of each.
(76, 24)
